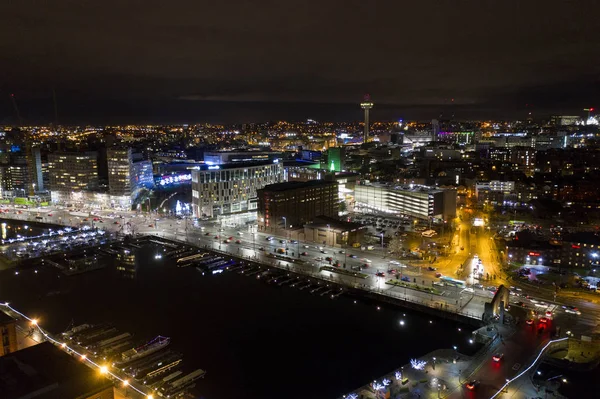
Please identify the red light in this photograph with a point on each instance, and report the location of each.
(575, 246)
(591, 109)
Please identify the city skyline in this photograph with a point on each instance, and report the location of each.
(247, 63)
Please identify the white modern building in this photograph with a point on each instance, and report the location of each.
(231, 188)
(417, 201)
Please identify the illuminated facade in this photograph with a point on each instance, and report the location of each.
(72, 173)
(119, 171)
(125, 177)
(336, 159)
(417, 201)
(231, 188)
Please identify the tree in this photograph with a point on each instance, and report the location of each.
(396, 245)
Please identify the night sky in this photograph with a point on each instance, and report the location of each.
(254, 60)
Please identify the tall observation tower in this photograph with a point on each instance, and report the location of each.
(366, 105)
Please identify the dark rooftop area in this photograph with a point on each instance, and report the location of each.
(45, 372)
(233, 165)
(584, 237)
(291, 185)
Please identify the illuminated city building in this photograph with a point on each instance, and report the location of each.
(71, 173)
(125, 177)
(231, 188)
(417, 201)
(222, 157)
(293, 204)
(336, 159)
(20, 172)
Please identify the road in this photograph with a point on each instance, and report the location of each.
(453, 298)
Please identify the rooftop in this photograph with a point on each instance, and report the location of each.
(45, 372)
(584, 237)
(233, 165)
(292, 185)
(414, 188)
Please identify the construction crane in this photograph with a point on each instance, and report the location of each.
(16, 107)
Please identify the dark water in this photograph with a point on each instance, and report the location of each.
(253, 339)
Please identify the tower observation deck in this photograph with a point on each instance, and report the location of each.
(366, 105)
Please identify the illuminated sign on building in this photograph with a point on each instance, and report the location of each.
(174, 179)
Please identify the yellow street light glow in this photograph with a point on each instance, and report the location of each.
(63, 345)
(150, 397)
(34, 322)
(125, 383)
(83, 357)
(103, 369)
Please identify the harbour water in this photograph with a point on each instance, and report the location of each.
(255, 340)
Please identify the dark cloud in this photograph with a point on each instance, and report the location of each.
(405, 53)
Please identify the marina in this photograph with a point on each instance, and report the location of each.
(162, 296)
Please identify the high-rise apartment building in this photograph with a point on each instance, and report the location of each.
(33, 158)
(126, 177)
(119, 171)
(71, 173)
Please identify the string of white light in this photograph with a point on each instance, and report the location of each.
(528, 368)
(63, 345)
